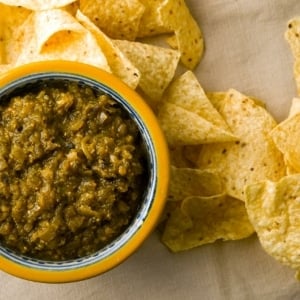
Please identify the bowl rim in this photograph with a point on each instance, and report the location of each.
(147, 116)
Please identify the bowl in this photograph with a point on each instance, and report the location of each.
(151, 201)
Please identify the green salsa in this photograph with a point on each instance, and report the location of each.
(72, 171)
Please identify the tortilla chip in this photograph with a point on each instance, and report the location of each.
(187, 93)
(119, 19)
(295, 107)
(182, 127)
(118, 62)
(297, 74)
(217, 100)
(292, 35)
(63, 38)
(173, 16)
(151, 23)
(4, 68)
(191, 153)
(254, 156)
(187, 116)
(286, 137)
(177, 157)
(38, 4)
(11, 24)
(203, 220)
(157, 66)
(273, 209)
(185, 182)
(176, 17)
(289, 169)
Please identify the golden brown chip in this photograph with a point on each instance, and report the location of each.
(187, 116)
(286, 137)
(182, 127)
(297, 74)
(217, 99)
(185, 182)
(11, 20)
(176, 17)
(202, 220)
(157, 66)
(61, 38)
(295, 107)
(178, 158)
(173, 16)
(273, 209)
(292, 35)
(119, 19)
(191, 153)
(4, 68)
(38, 4)
(151, 22)
(289, 169)
(118, 62)
(187, 93)
(254, 156)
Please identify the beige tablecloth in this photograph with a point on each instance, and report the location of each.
(245, 49)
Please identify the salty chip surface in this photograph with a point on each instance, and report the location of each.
(254, 156)
(187, 116)
(119, 19)
(157, 66)
(273, 209)
(202, 220)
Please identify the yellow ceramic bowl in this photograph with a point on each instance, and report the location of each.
(153, 200)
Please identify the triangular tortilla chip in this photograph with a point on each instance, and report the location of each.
(173, 16)
(183, 127)
(120, 65)
(186, 92)
(177, 157)
(273, 209)
(254, 156)
(177, 18)
(156, 64)
(38, 4)
(202, 220)
(286, 136)
(11, 20)
(217, 100)
(295, 107)
(64, 38)
(119, 19)
(187, 116)
(292, 35)
(151, 22)
(186, 182)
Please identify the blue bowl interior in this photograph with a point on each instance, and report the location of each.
(30, 82)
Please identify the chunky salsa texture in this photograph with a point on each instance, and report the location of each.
(72, 171)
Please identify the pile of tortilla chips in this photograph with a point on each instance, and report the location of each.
(105, 33)
(220, 144)
(234, 170)
(273, 206)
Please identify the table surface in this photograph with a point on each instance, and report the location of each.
(245, 50)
